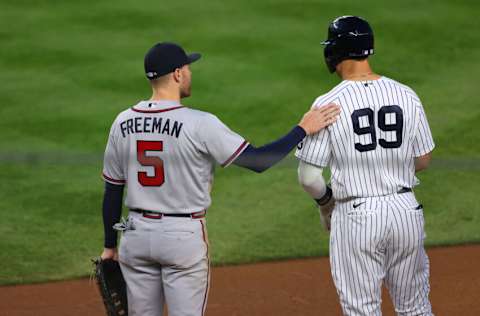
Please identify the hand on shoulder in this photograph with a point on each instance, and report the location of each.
(318, 118)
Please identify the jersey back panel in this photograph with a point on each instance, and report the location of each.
(371, 147)
(166, 154)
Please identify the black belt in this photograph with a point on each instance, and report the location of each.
(404, 190)
(158, 215)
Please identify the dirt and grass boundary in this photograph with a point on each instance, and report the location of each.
(295, 287)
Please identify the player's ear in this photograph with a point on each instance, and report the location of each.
(177, 74)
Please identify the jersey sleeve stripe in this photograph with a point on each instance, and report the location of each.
(111, 180)
(237, 153)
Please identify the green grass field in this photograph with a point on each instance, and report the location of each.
(67, 68)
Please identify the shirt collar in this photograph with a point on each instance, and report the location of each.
(156, 105)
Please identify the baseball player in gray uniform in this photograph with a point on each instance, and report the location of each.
(380, 141)
(165, 153)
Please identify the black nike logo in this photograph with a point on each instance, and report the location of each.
(357, 205)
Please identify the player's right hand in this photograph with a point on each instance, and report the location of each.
(316, 119)
(326, 212)
(109, 253)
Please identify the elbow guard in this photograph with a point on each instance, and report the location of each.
(311, 179)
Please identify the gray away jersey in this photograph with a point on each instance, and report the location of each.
(165, 153)
(371, 147)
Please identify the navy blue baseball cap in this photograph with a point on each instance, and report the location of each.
(164, 58)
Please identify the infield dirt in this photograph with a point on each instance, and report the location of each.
(297, 287)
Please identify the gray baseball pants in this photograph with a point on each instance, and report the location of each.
(165, 262)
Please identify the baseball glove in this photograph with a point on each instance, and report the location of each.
(112, 286)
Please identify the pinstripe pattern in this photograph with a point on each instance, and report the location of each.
(377, 172)
(377, 234)
(380, 241)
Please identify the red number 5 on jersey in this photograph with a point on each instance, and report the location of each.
(159, 177)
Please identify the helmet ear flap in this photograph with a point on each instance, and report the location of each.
(330, 57)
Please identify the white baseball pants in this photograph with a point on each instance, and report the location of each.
(380, 240)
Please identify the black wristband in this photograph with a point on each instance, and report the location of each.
(325, 198)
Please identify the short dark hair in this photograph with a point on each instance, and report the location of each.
(159, 81)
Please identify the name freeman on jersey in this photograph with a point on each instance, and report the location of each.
(148, 124)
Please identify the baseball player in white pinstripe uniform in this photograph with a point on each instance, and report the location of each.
(380, 141)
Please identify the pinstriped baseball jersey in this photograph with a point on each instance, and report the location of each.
(371, 147)
(166, 153)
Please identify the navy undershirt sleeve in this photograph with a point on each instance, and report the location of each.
(112, 210)
(262, 158)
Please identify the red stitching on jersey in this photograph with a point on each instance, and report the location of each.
(235, 154)
(112, 180)
(157, 111)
